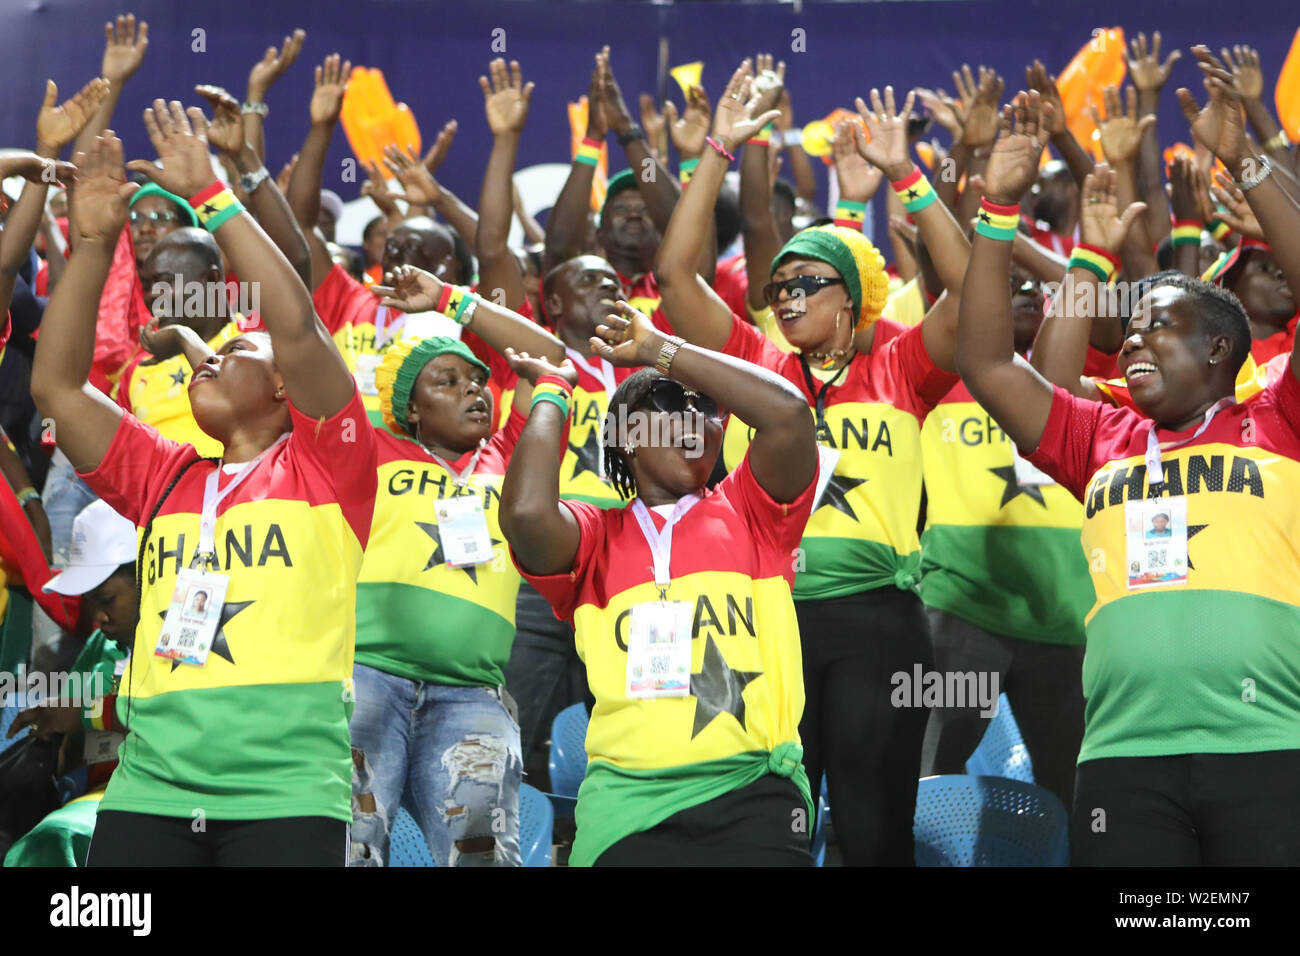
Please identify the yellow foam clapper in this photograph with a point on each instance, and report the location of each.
(371, 120)
(1287, 92)
(1099, 64)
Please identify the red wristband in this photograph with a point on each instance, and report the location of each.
(200, 198)
(556, 381)
(1098, 251)
(444, 298)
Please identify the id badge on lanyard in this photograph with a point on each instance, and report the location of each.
(659, 635)
(194, 615)
(462, 523)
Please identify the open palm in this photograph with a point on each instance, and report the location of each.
(58, 125)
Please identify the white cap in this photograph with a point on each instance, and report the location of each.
(102, 541)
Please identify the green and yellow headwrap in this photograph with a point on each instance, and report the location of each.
(401, 365)
(188, 218)
(858, 262)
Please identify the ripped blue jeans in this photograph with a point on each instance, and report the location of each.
(450, 755)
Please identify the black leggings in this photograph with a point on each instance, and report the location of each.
(1188, 810)
(869, 749)
(145, 839)
(752, 826)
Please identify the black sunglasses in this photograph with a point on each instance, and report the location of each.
(665, 395)
(807, 285)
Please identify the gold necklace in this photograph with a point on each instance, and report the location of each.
(825, 361)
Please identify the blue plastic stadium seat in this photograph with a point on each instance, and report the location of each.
(568, 760)
(406, 843)
(1002, 752)
(988, 821)
(536, 823)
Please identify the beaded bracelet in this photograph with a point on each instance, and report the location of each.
(720, 149)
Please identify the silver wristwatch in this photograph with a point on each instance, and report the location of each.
(250, 181)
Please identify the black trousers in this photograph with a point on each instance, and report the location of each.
(1043, 682)
(1188, 810)
(757, 825)
(146, 839)
(869, 749)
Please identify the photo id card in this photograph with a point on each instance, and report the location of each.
(193, 617)
(659, 650)
(1156, 534)
(462, 526)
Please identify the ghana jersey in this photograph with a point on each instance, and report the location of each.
(360, 327)
(417, 616)
(730, 561)
(862, 533)
(1210, 665)
(158, 394)
(100, 663)
(261, 729)
(1001, 544)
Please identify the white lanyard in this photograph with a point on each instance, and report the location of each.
(381, 323)
(460, 479)
(604, 372)
(661, 542)
(212, 498)
(1156, 471)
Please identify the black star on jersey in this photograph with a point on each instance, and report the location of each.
(587, 455)
(1014, 488)
(718, 689)
(438, 557)
(836, 494)
(178, 376)
(219, 645)
(1192, 531)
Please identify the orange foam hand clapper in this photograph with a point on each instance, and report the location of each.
(1098, 65)
(372, 120)
(1287, 92)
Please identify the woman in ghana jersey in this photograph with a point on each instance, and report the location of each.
(244, 725)
(681, 603)
(436, 594)
(1191, 749)
(860, 619)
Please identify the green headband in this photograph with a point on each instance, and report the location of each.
(151, 189)
(424, 352)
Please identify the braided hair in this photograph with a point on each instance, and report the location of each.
(631, 393)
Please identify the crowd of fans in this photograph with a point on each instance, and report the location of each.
(351, 527)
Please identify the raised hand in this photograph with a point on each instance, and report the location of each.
(438, 151)
(656, 130)
(626, 338)
(1100, 221)
(1188, 191)
(981, 100)
(887, 127)
(419, 186)
(1037, 78)
(35, 168)
(616, 111)
(409, 289)
(226, 131)
(1247, 76)
(858, 178)
(282, 180)
(1236, 211)
(1145, 68)
(331, 84)
(179, 136)
(736, 118)
(597, 120)
(58, 125)
(376, 187)
(946, 111)
(124, 48)
(1022, 135)
(1120, 132)
(271, 67)
(692, 129)
(533, 367)
(505, 97)
(1220, 126)
(161, 343)
(97, 207)
(769, 82)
